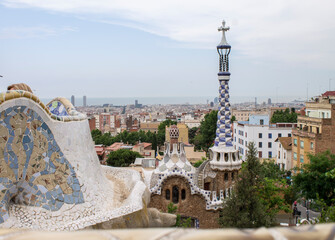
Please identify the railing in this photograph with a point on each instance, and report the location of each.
(302, 133)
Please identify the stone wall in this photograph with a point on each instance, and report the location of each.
(192, 206)
(217, 180)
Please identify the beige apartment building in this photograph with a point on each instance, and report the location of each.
(243, 115)
(183, 133)
(315, 132)
(149, 126)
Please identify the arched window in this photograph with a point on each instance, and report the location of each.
(226, 157)
(183, 194)
(167, 194)
(234, 156)
(218, 156)
(175, 194)
(226, 176)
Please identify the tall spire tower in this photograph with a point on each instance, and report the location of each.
(223, 154)
(223, 131)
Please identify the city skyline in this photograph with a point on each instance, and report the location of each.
(117, 49)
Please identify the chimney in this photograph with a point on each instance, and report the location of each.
(174, 135)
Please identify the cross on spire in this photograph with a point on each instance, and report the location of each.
(223, 43)
(223, 28)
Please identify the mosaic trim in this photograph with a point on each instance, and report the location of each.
(211, 204)
(223, 131)
(57, 108)
(14, 94)
(33, 169)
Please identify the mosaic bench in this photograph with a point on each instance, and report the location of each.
(50, 176)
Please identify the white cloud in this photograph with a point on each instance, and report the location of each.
(25, 32)
(288, 31)
(32, 32)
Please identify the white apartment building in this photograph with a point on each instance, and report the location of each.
(192, 123)
(259, 130)
(284, 155)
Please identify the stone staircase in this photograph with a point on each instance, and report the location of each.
(200, 174)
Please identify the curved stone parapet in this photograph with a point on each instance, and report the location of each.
(71, 112)
(50, 176)
(63, 109)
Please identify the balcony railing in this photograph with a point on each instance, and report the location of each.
(302, 133)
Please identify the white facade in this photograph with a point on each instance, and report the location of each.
(264, 137)
(192, 123)
(318, 113)
(284, 156)
(97, 126)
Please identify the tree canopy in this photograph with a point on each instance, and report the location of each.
(203, 137)
(257, 195)
(287, 116)
(192, 133)
(244, 208)
(132, 138)
(315, 179)
(122, 158)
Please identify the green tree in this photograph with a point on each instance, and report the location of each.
(258, 195)
(172, 209)
(198, 142)
(192, 133)
(96, 133)
(208, 129)
(271, 193)
(287, 116)
(327, 212)
(198, 163)
(315, 179)
(152, 138)
(204, 139)
(271, 170)
(125, 137)
(245, 208)
(233, 119)
(122, 158)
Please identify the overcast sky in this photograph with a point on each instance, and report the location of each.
(154, 48)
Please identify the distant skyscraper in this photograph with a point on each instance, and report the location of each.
(84, 101)
(72, 100)
(137, 105)
(269, 101)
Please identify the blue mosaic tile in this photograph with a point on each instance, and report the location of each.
(57, 108)
(32, 172)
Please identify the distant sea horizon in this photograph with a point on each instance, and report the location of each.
(120, 101)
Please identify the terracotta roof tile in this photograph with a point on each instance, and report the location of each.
(286, 142)
(328, 93)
